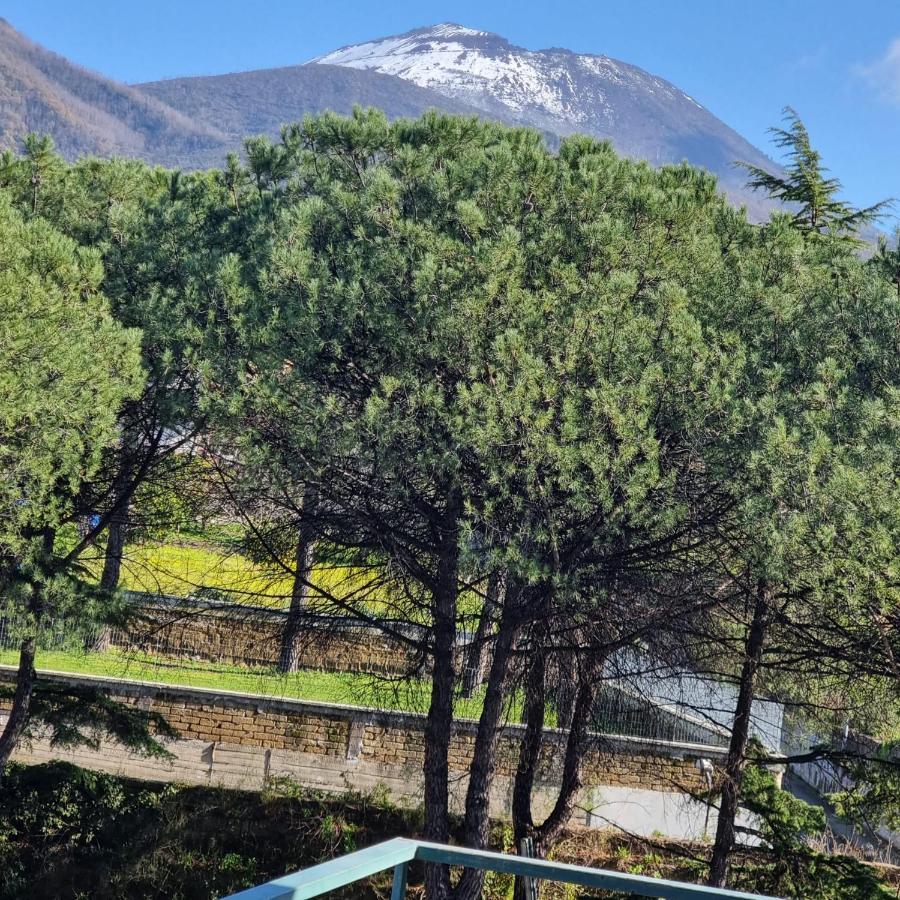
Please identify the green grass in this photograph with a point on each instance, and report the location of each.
(325, 687)
(182, 569)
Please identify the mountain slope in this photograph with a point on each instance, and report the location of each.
(85, 112)
(261, 101)
(562, 92)
(185, 122)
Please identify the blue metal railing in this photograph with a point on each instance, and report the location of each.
(398, 853)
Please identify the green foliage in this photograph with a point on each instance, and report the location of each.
(76, 716)
(46, 808)
(65, 831)
(806, 188)
(479, 356)
(823, 876)
(65, 369)
(784, 819)
(149, 229)
(106, 275)
(59, 802)
(516, 322)
(795, 870)
(586, 359)
(874, 799)
(886, 260)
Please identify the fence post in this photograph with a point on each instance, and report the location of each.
(398, 892)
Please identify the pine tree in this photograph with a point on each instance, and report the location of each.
(805, 187)
(886, 260)
(66, 367)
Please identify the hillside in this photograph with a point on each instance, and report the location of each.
(260, 102)
(86, 113)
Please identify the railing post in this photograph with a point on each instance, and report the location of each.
(398, 892)
(529, 885)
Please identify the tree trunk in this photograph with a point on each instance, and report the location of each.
(477, 651)
(545, 835)
(26, 674)
(304, 559)
(116, 534)
(115, 548)
(21, 702)
(737, 747)
(112, 569)
(565, 674)
(530, 747)
(439, 722)
(484, 754)
(529, 753)
(577, 742)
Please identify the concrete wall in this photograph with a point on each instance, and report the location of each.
(240, 741)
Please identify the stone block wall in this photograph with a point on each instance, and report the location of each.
(240, 741)
(250, 636)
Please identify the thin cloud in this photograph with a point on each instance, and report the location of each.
(810, 62)
(884, 74)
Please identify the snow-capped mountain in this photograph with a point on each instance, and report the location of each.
(561, 92)
(192, 122)
(562, 87)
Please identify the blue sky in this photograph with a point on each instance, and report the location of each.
(836, 61)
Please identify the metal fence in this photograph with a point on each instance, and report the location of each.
(620, 711)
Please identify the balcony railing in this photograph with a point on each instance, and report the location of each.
(398, 853)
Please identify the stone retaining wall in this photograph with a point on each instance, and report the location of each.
(240, 741)
(251, 636)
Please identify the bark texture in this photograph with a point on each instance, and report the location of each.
(304, 560)
(439, 723)
(481, 773)
(26, 676)
(21, 703)
(115, 548)
(737, 747)
(577, 745)
(116, 536)
(530, 747)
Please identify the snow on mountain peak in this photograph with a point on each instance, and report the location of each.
(551, 88)
(451, 29)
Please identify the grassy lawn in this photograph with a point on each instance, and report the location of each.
(325, 687)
